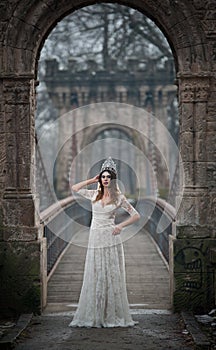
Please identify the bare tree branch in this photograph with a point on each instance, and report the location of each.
(103, 32)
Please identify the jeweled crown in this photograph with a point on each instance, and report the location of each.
(109, 165)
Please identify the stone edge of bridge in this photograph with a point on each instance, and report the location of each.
(200, 339)
(8, 340)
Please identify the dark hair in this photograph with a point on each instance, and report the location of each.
(113, 187)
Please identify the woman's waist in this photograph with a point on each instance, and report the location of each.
(102, 222)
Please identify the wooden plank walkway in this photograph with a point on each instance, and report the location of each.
(147, 275)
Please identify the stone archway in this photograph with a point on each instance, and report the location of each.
(190, 30)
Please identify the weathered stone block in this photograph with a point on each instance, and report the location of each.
(193, 275)
(200, 145)
(187, 146)
(194, 88)
(213, 256)
(211, 174)
(24, 39)
(24, 176)
(213, 55)
(208, 22)
(3, 27)
(24, 257)
(19, 212)
(17, 118)
(200, 174)
(189, 173)
(17, 92)
(20, 277)
(199, 120)
(10, 118)
(184, 62)
(179, 35)
(186, 117)
(202, 204)
(2, 105)
(23, 116)
(1, 63)
(187, 93)
(211, 209)
(213, 80)
(211, 146)
(195, 208)
(187, 211)
(6, 8)
(211, 115)
(211, 126)
(36, 14)
(193, 231)
(11, 147)
(2, 123)
(11, 175)
(2, 153)
(2, 180)
(18, 233)
(23, 150)
(212, 95)
(201, 86)
(189, 294)
(24, 61)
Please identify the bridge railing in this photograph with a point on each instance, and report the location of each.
(153, 209)
(60, 222)
(44, 189)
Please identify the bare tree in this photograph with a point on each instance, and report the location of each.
(104, 32)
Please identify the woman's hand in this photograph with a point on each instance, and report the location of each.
(94, 179)
(81, 184)
(117, 230)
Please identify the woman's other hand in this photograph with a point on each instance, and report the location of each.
(117, 230)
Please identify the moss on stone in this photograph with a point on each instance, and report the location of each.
(31, 299)
(1, 225)
(20, 277)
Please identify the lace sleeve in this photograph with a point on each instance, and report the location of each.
(89, 194)
(127, 206)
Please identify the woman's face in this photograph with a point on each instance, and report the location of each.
(106, 179)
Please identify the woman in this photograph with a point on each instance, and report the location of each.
(103, 299)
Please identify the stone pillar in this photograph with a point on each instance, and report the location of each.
(21, 240)
(193, 285)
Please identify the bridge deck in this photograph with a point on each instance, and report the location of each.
(146, 275)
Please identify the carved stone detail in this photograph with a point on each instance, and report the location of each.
(209, 26)
(194, 89)
(16, 92)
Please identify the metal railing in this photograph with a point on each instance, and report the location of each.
(61, 221)
(153, 210)
(44, 190)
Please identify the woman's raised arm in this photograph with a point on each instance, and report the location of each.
(81, 184)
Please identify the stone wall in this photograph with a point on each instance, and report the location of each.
(190, 27)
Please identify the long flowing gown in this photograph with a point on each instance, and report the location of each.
(103, 299)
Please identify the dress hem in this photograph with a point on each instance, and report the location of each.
(131, 324)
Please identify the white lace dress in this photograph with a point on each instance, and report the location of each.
(103, 299)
